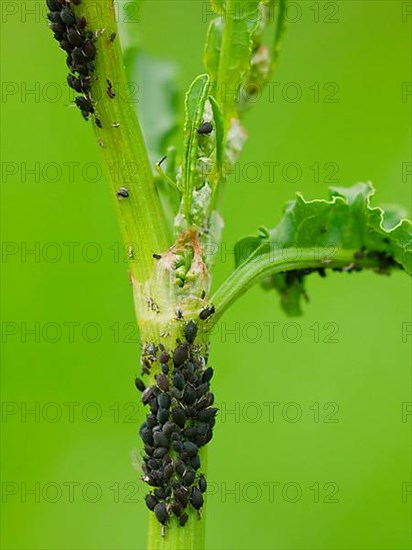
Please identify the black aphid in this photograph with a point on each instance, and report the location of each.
(75, 83)
(168, 470)
(81, 23)
(196, 498)
(205, 128)
(169, 428)
(53, 5)
(122, 193)
(113, 37)
(207, 312)
(202, 483)
(164, 357)
(161, 513)
(190, 332)
(146, 435)
(109, 90)
(157, 256)
(179, 381)
(162, 382)
(151, 501)
(207, 415)
(160, 452)
(164, 400)
(162, 416)
(207, 375)
(195, 462)
(98, 123)
(68, 17)
(188, 478)
(140, 385)
(78, 57)
(59, 30)
(179, 416)
(177, 508)
(89, 49)
(180, 467)
(180, 355)
(182, 496)
(54, 17)
(148, 395)
(190, 448)
(84, 104)
(183, 519)
(160, 440)
(162, 493)
(189, 395)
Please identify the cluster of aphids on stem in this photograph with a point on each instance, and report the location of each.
(180, 422)
(79, 44)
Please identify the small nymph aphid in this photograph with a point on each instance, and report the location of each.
(122, 193)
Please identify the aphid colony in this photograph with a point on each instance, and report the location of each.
(180, 422)
(70, 31)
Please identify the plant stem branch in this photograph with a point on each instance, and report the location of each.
(224, 58)
(270, 263)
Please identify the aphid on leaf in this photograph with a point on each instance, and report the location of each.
(109, 89)
(206, 312)
(205, 128)
(113, 37)
(54, 17)
(164, 357)
(68, 17)
(74, 37)
(122, 193)
(190, 332)
(196, 498)
(140, 385)
(53, 5)
(82, 23)
(160, 440)
(180, 355)
(161, 513)
(157, 256)
(202, 483)
(151, 501)
(188, 478)
(164, 400)
(84, 104)
(89, 49)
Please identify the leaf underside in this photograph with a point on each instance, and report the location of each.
(347, 221)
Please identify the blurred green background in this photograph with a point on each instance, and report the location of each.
(317, 451)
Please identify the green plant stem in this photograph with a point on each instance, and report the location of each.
(270, 263)
(121, 141)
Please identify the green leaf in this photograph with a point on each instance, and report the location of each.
(344, 233)
(228, 50)
(194, 107)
